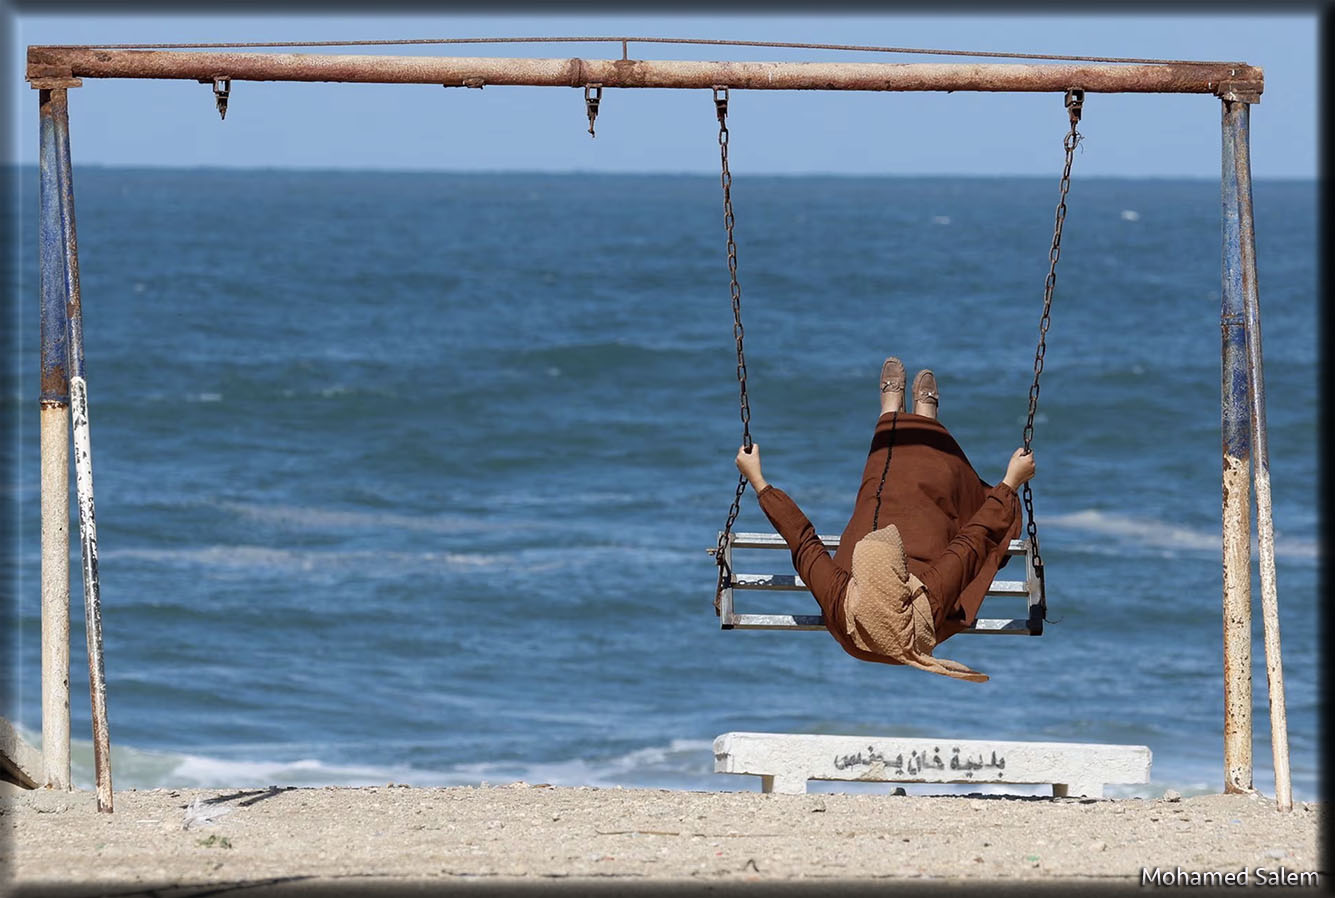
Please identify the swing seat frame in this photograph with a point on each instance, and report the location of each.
(730, 618)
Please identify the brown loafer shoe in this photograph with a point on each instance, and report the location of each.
(925, 394)
(893, 378)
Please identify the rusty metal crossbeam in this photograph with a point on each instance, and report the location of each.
(67, 64)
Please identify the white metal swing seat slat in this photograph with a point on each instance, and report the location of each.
(731, 619)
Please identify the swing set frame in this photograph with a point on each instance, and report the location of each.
(63, 400)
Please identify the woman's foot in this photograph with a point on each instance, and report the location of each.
(892, 385)
(925, 395)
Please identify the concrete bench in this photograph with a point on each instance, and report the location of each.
(784, 762)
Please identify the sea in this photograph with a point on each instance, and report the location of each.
(410, 477)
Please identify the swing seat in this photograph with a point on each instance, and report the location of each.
(731, 619)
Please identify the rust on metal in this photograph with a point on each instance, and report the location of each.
(1240, 91)
(55, 383)
(1200, 78)
(1236, 448)
(861, 48)
(1279, 733)
(51, 77)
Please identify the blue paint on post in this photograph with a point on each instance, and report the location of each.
(54, 384)
(83, 453)
(69, 238)
(1234, 398)
(1251, 302)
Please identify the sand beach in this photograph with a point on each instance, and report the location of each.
(307, 840)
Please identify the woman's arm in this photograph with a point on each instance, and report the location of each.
(963, 559)
(1020, 468)
(811, 559)
(748, 462)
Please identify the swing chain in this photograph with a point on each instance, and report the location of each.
(725, 573)
(1074, 103)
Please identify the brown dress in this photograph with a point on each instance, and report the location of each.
(955, 527)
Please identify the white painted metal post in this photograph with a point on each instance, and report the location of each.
(53, 403)
(1265, 526)
(1236, 510)
(83, 456)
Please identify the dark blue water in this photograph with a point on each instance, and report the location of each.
(410, 477)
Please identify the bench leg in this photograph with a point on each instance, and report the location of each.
(1085, 790)
(783, 785)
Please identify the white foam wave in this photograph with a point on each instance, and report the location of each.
(186, 397)
(1163, 535)
(198, 771)
(373, 562)
(679, 760)
(238, 557)
(328, 518)
(680, 764)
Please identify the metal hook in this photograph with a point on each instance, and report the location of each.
(721, 102)
(593, 94)
(222, 87)
(1075, 101)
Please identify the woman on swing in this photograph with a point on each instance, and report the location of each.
(891, 594)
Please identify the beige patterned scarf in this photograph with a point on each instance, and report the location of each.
(887, 608)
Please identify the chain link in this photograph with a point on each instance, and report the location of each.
(1074, 104)
(725, 572)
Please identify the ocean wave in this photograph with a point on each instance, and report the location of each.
(241, 557)
(682, 762)
(378, 562)
(315, 518)
(1162, 535)
(328, 518)
(678, 764)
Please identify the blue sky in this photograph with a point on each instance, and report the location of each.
(423, 127)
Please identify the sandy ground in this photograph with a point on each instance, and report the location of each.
(288, 841)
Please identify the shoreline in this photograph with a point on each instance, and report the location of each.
(297, 837)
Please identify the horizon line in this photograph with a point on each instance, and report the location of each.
(296, 169)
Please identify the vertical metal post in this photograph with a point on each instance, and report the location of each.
(54, 401)
(83, 454)
(1265, 527)
(1236, 495)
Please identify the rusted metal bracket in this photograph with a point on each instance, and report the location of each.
(222, 89)
(593, 95)
(52, 77)
(1240, 91)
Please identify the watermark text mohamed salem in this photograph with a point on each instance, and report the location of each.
(1247, 876)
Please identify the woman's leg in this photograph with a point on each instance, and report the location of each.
(892, 386)
(926, 397)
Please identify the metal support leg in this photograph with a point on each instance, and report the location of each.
(1236, 496)
(1265, 527)
(83, 454)
(54, 401)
